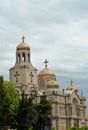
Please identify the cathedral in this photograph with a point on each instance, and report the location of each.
(68, 107)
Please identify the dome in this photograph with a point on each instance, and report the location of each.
(74, 88)
(46, 71)
(52, 84)
(23, 46)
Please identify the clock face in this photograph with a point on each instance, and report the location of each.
(41, 83)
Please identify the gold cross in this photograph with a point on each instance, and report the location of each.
(45, 63)
(23, 38)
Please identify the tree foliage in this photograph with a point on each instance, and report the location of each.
(23, 113)
(31, 115)
(8, 102)
(44, 112)
(12, 97)
(82, 128)
(2, 101)
(27, 114)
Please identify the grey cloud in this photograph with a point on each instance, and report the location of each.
(56, 29)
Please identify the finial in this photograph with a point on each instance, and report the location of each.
(71, 82)
(23, 38)
(45, 63)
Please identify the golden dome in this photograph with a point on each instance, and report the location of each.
(23, 46)
(72, 87)
(46, 71)
(52, 84)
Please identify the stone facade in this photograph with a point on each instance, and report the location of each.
(68, 107)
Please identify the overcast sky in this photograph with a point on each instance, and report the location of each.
(56, 30)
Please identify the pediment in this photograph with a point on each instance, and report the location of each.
(75, 96)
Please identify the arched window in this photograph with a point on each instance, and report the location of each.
(18, 58)
(74, 107)
(62, 111)
(41, 83)
(23, 57)
(17, 92)
(81, 112)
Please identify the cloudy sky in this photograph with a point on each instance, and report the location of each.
(56, 30)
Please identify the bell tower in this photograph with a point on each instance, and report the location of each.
(23, 52)
(23, 74)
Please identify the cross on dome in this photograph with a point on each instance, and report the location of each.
(71, 82)
(46, 61)
(23, 38)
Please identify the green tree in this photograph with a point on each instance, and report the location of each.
(13, 100)
(32, 115)
(82, 128)
(2, 102)
(44, 112)
(27, 114)
(8, 102)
